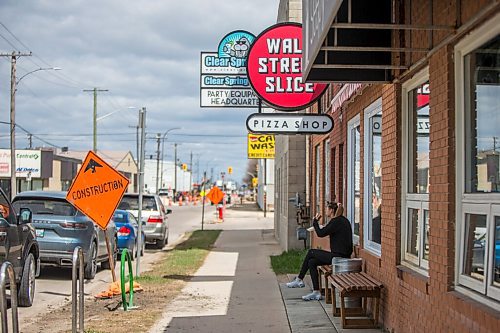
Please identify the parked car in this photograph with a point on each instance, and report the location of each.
(127, 231)
(153, 213)
(18, 246)
(60, 227)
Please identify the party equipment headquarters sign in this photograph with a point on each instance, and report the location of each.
(223, 79)
(274, 68)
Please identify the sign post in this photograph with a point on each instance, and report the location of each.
(97, 191)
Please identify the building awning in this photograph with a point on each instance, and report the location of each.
(352, 40)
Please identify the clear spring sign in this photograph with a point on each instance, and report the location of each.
(274, 69)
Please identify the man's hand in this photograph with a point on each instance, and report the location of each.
(317, 216)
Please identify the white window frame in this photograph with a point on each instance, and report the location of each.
(482, 203)
(418, 201)
(327, 153)
(351, 167)
(369, 112)
(317, 192)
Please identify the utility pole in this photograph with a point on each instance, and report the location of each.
(158, 137)
(142, 124)
(190, 171)
(95, 90)
(175, 170)
(204, 180)
(495, 143)
(13, 87)
(30, 140)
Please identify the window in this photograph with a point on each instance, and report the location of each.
(318, 172)
(477, 81)
(353, 175)
(373, 177)
(328, 170)
(415, 200)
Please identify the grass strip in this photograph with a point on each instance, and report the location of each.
(183, 260)
(288, 262)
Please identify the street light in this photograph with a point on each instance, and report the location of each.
(13, 89)
(163, 137)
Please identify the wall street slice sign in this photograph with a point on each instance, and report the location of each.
(278, 123)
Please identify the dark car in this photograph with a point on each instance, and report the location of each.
(127, 231)
(60, 228)
(18, 245)
(153, 213)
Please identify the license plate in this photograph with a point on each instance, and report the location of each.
(40, 232)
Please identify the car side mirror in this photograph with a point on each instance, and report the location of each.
(25, 216)
(169, 211)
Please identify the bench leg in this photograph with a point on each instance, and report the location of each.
(342, 311)
(335, 309)
(328, 293)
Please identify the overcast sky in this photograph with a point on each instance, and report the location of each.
(146, 53)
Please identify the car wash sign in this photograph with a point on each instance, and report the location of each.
(274, 69)
(260, 146)
(223, 79)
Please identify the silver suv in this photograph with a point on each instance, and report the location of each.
(153, 213)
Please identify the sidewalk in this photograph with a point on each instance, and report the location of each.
(235, 290)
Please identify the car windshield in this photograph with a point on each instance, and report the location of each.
(132, 203)
(43, 206)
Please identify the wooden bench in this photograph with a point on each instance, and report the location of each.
(355, 285)
(323, 273)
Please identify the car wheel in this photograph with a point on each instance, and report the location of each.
(133, 252)
(91, 266)
(26, 292)
(143, 247)
(160, 243)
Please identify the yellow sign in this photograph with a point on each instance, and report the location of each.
(184, 166)
(260, 146)
(230, 170)
(255, 181)
(97, 190)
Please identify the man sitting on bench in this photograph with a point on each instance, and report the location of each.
(340, 232)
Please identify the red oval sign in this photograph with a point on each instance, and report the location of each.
(274, 69)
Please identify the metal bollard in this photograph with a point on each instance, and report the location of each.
(77, 260)
(4, 270)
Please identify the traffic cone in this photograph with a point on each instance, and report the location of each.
(180, 201)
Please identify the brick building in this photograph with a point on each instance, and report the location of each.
(413, 157)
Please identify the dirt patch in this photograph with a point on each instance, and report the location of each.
(107, 315)
(172, 272)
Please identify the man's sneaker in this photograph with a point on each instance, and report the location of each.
(314, 296)
(296, 283)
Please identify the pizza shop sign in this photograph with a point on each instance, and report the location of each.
(274, 69)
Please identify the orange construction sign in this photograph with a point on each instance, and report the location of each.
(97, 190)
(215, 195)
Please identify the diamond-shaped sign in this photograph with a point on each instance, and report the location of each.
(215, 195)
(97, 189)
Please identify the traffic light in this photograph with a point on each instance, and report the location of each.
(230, 170)
(184, 166)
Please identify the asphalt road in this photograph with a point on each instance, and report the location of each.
(53, 287)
